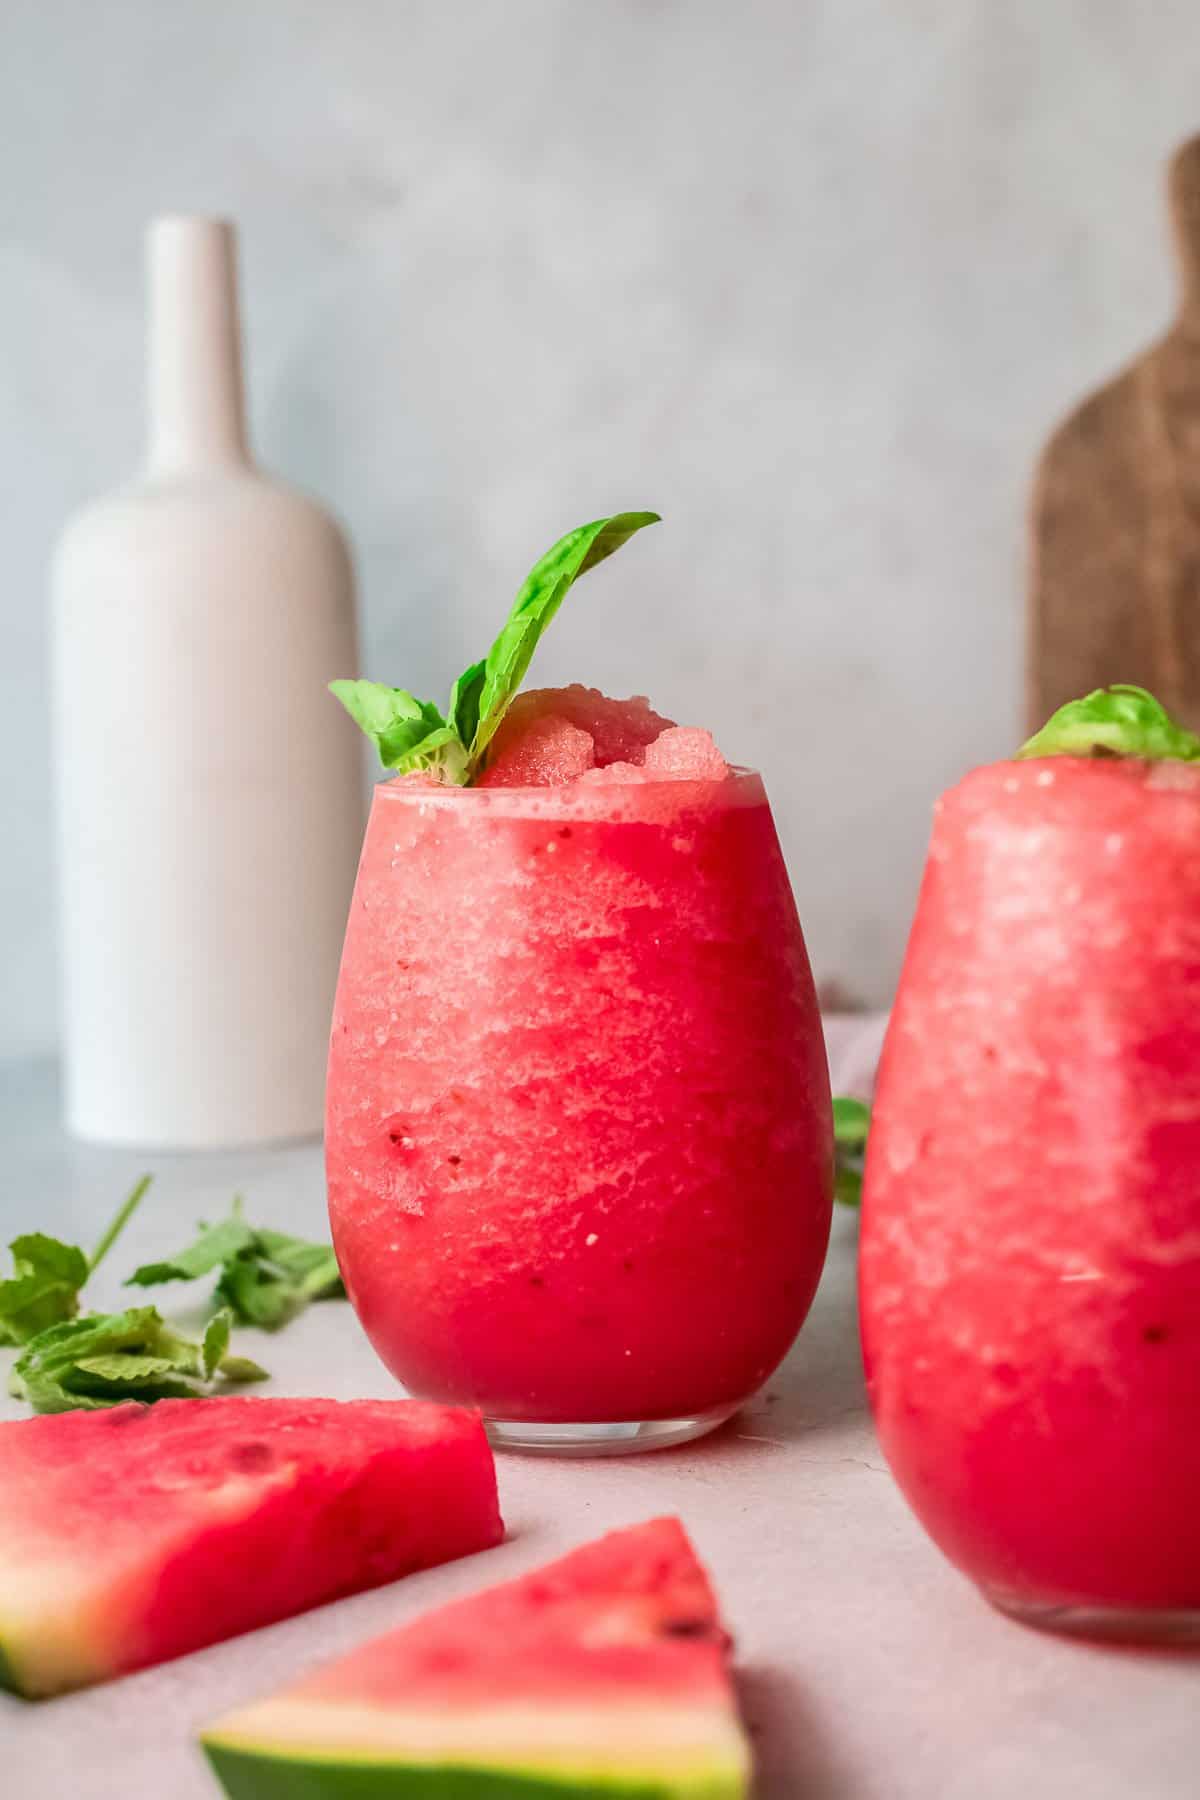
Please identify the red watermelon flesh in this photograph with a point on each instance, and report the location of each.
(604, 1673)
(553, 735)
(136, 1534)
(548, 753)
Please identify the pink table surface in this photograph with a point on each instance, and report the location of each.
(869, 1669)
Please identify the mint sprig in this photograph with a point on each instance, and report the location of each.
(216, 1245)
(49, 1276)
(67, 1361)
(851, 1124)
(412, 736)
(266, 1277)
(1121, 720)
(106, 1358)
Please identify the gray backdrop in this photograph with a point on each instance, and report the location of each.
(811, 279)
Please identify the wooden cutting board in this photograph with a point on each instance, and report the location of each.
(1115, 580)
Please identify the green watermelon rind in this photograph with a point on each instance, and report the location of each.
(261, 1774)
(658, 1724)
(35, 1671)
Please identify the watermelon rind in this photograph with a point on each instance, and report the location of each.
(262, 1774)
(309, 1752)
(600, 1676)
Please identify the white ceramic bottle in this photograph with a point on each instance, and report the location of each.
(209, 788)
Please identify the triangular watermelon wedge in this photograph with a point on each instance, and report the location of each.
(135, 1534)
(601, 1675)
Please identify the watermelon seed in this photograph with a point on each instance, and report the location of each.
(251, 1457)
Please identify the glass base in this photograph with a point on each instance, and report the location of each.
(1105, 1624)
(625, 1438)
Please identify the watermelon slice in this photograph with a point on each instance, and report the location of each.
(604, 1674)
(134, 1535)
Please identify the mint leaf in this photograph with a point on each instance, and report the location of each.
(271, 1285)
(125, 1366)
(847, 1184)
(215, 1341)
(412, 736)
(240, 1369)
(229, 1368)
(33, 1300)
(106, 1358)
(258, 1296)
(395, 720)
(266, 1277)
(49, 1275)
(463, 710)
(312, 1267)
(89, 1336)
(1114, 721)
(28, 1304)
(34, 1252)
(179, 1353)
(541, 595)
(440, 754)
(409, 734)
(211, 1250)
(47, 1374)
(851, 1124)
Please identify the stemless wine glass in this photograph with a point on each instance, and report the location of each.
(578, 1137)
(1030, 1257)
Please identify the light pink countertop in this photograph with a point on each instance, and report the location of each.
(869, 1669)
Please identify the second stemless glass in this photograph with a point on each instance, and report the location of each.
(578, 1136)
(1030, 1253)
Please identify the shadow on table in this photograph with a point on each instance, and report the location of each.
(820, 1384)
(793, 1752)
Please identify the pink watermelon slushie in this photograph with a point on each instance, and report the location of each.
(579, 1142)
(1030, 1262)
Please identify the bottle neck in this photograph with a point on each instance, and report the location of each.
(194, 373)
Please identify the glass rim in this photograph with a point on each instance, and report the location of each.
(600, 800)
